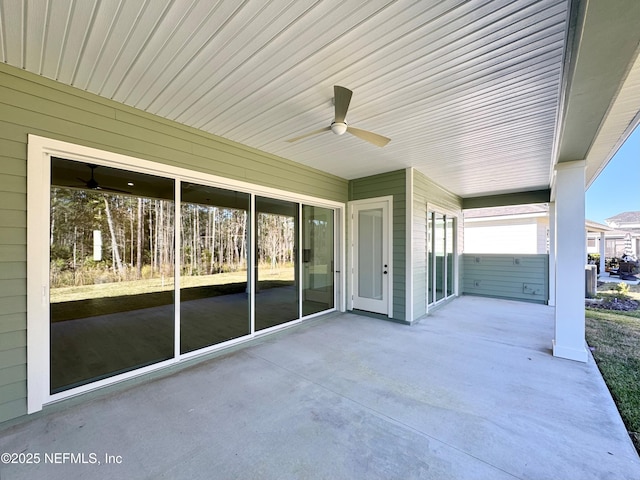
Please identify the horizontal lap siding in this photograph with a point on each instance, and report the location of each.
(419, 232)
(500, 276)
(392, 183)
(30, 104)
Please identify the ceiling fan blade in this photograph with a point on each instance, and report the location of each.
(367, 136)
(315, 132)
(342, 98)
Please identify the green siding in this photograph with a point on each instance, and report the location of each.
(13, 409)
(13, 322)
(30, 104)
(391, 183)
(11, 375)
(427, 193)
(516, 277)
(508, 199)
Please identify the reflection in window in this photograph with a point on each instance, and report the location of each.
(317, 258)
(276, 287)
(111, 272)
(112, 257)
(214, 304)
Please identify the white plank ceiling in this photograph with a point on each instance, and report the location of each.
(466, 90)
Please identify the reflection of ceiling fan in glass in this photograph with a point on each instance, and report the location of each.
(92, 183)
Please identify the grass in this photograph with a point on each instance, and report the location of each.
(155, 285)
(613, 289)
(614, 338)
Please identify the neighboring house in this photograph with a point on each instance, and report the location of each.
(515, 229)
(626, 221)
(159, 138)
(621, 235)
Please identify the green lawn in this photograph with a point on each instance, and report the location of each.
(154, 285)
(614, 338)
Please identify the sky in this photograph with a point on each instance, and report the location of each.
(617, 188)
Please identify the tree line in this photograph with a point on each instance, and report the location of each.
(137, 238)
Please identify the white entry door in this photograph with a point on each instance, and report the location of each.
(371, 255)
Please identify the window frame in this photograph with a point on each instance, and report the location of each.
(39, 153)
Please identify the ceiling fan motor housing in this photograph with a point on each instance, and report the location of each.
(339, 127)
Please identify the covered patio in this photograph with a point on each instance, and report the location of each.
(472, 391)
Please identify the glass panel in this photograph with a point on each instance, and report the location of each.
(111, 272)
(430, 266)
(450, 253)
(317, 259)
(276, 299)
(370, 259)
(214, 303)
(439, 248)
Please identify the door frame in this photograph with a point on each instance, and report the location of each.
(455, 215)
(352, 248)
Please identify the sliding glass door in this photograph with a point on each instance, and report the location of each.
(317, 259)
(439, 279)
(111, 274)
(113, 258)
(214, 300)
(441, 247)
(276, 285)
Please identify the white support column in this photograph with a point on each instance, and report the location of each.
(552, 254)
(569, 339)
(602, 249)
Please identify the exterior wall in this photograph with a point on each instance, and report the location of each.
(515, 277)
(543, 235)
(615, 244)
(391, 183)
(30, 104)
(506, 235)
(427, 194)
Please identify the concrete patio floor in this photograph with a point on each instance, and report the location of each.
(469, 392)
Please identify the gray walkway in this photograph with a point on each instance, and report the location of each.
(471, 392)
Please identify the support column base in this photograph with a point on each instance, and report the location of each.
(577, 354)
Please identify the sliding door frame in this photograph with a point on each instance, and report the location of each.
(40, 151)
(431, 270)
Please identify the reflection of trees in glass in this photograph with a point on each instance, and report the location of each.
(136, 235)
(277, 239)
(213, 239)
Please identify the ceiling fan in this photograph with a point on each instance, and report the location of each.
(342, 98)
(92, 183)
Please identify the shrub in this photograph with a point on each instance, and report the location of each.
(623, 289)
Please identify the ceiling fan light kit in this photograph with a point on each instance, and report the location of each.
(341, 100)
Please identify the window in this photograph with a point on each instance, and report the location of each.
(214, 267)
(441, 249)
(111, 277)
(145, 263)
